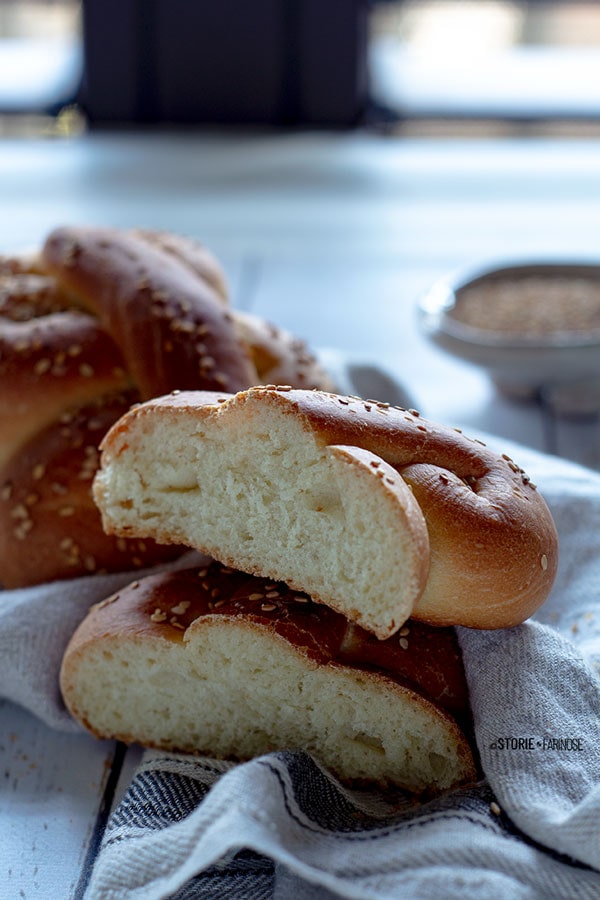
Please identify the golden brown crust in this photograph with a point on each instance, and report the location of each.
(279, 357)
(195, 256)
(26, 263)
(25, 296)
(171, 327)
(49, 366)
(98, 312)
(49, 523)
(493, 542)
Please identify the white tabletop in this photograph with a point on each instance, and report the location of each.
(333, 236)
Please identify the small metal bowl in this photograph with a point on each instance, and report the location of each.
(533, 327)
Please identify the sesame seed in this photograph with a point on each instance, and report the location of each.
(21, 530)
(86, 370)
(544, 562)
(268, 607)
(272, 595)
(42, 366)
(65, 511)
(403, 643)
(256, 597)
(494, 808)
(180, 608)
(404, 631)
(184, 326)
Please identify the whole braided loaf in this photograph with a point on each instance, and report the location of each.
(99, 320)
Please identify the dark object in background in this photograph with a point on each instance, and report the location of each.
(270, 62)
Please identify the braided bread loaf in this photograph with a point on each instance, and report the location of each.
(368, 508)
(98, 320)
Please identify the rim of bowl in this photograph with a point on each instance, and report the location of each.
(436, 304)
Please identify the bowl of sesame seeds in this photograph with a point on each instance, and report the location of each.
(533, 327)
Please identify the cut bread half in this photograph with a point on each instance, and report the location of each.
(215, 662)
(253, 485)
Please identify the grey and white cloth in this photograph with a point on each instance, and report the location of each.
(281, 826)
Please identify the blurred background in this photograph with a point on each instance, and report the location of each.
(418, 66)
(338, 156)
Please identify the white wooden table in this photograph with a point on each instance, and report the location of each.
(333, 237)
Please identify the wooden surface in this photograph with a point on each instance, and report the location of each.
(333, 237)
